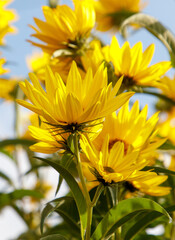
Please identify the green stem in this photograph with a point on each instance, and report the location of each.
(85, 191)
(79, 168)
(89, 221)
(97, 194)
(173, 219)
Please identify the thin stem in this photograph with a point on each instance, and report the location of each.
(85, 191)
(117, 234)
(79, 168)
(89, 221)
(173, 219)
(97, 194)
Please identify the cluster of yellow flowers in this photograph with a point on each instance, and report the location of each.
(6, 17)
(85, 83)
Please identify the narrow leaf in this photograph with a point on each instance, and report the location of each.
(122, 213)
(75, 189)
(147, 219)
(16, 141)
(159, 170)
(6, 178)
(54, 237)
(155, 28)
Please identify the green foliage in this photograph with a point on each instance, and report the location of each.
(123, 212)
(8, 198)
(75, 189)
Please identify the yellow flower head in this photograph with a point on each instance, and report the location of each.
(37, 63)
(151, 186)
(134, 64)
(125, 61)
(74, 106)
(8, 88)
(112, 166)
(133, 129)
(111, 13)
(6, 16)
(2, 70)
(168, 87)
(65, 28)
(167, 127)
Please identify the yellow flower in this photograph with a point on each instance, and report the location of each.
(37, 63)
(134, 64)
(133, 129)
(2, 70)
(131, 63)
(6, 16)
(172, 163)
(74, 106)
(8, 88)
(167, 127)
(111, 13)
(65, 28)
(168, 87)
(151, 186)
(114, 165)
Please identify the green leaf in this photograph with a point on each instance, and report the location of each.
(46, 211)
(5, 177)
(16, 141)
(7, 153)
(168, 145)
(7, 198)
(143, 222)
(122, 213)
(63, 206)
(75, 189)
(159, 170)
(155, 28)
(66, 162)
(53, 237)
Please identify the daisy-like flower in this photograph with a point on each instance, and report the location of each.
(112, 166)
(168, 87)
(151, 186)
(75, 106)
(133, 129)
(65, 29)
(111, 13)
(8, 88)
(6, 16)
(134, 64)
(167, 127)
(37, 63)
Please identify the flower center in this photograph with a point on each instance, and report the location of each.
(108, 169)
(113, 141)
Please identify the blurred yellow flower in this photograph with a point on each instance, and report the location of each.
(114, 165)
(37, 63)
(151, 186)
(8, 87)
(76, 105)
(2, 70)
(111, 13)
(6, 16)
(133, 129)
(168, 87)
(65, 28)
(167, 127)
